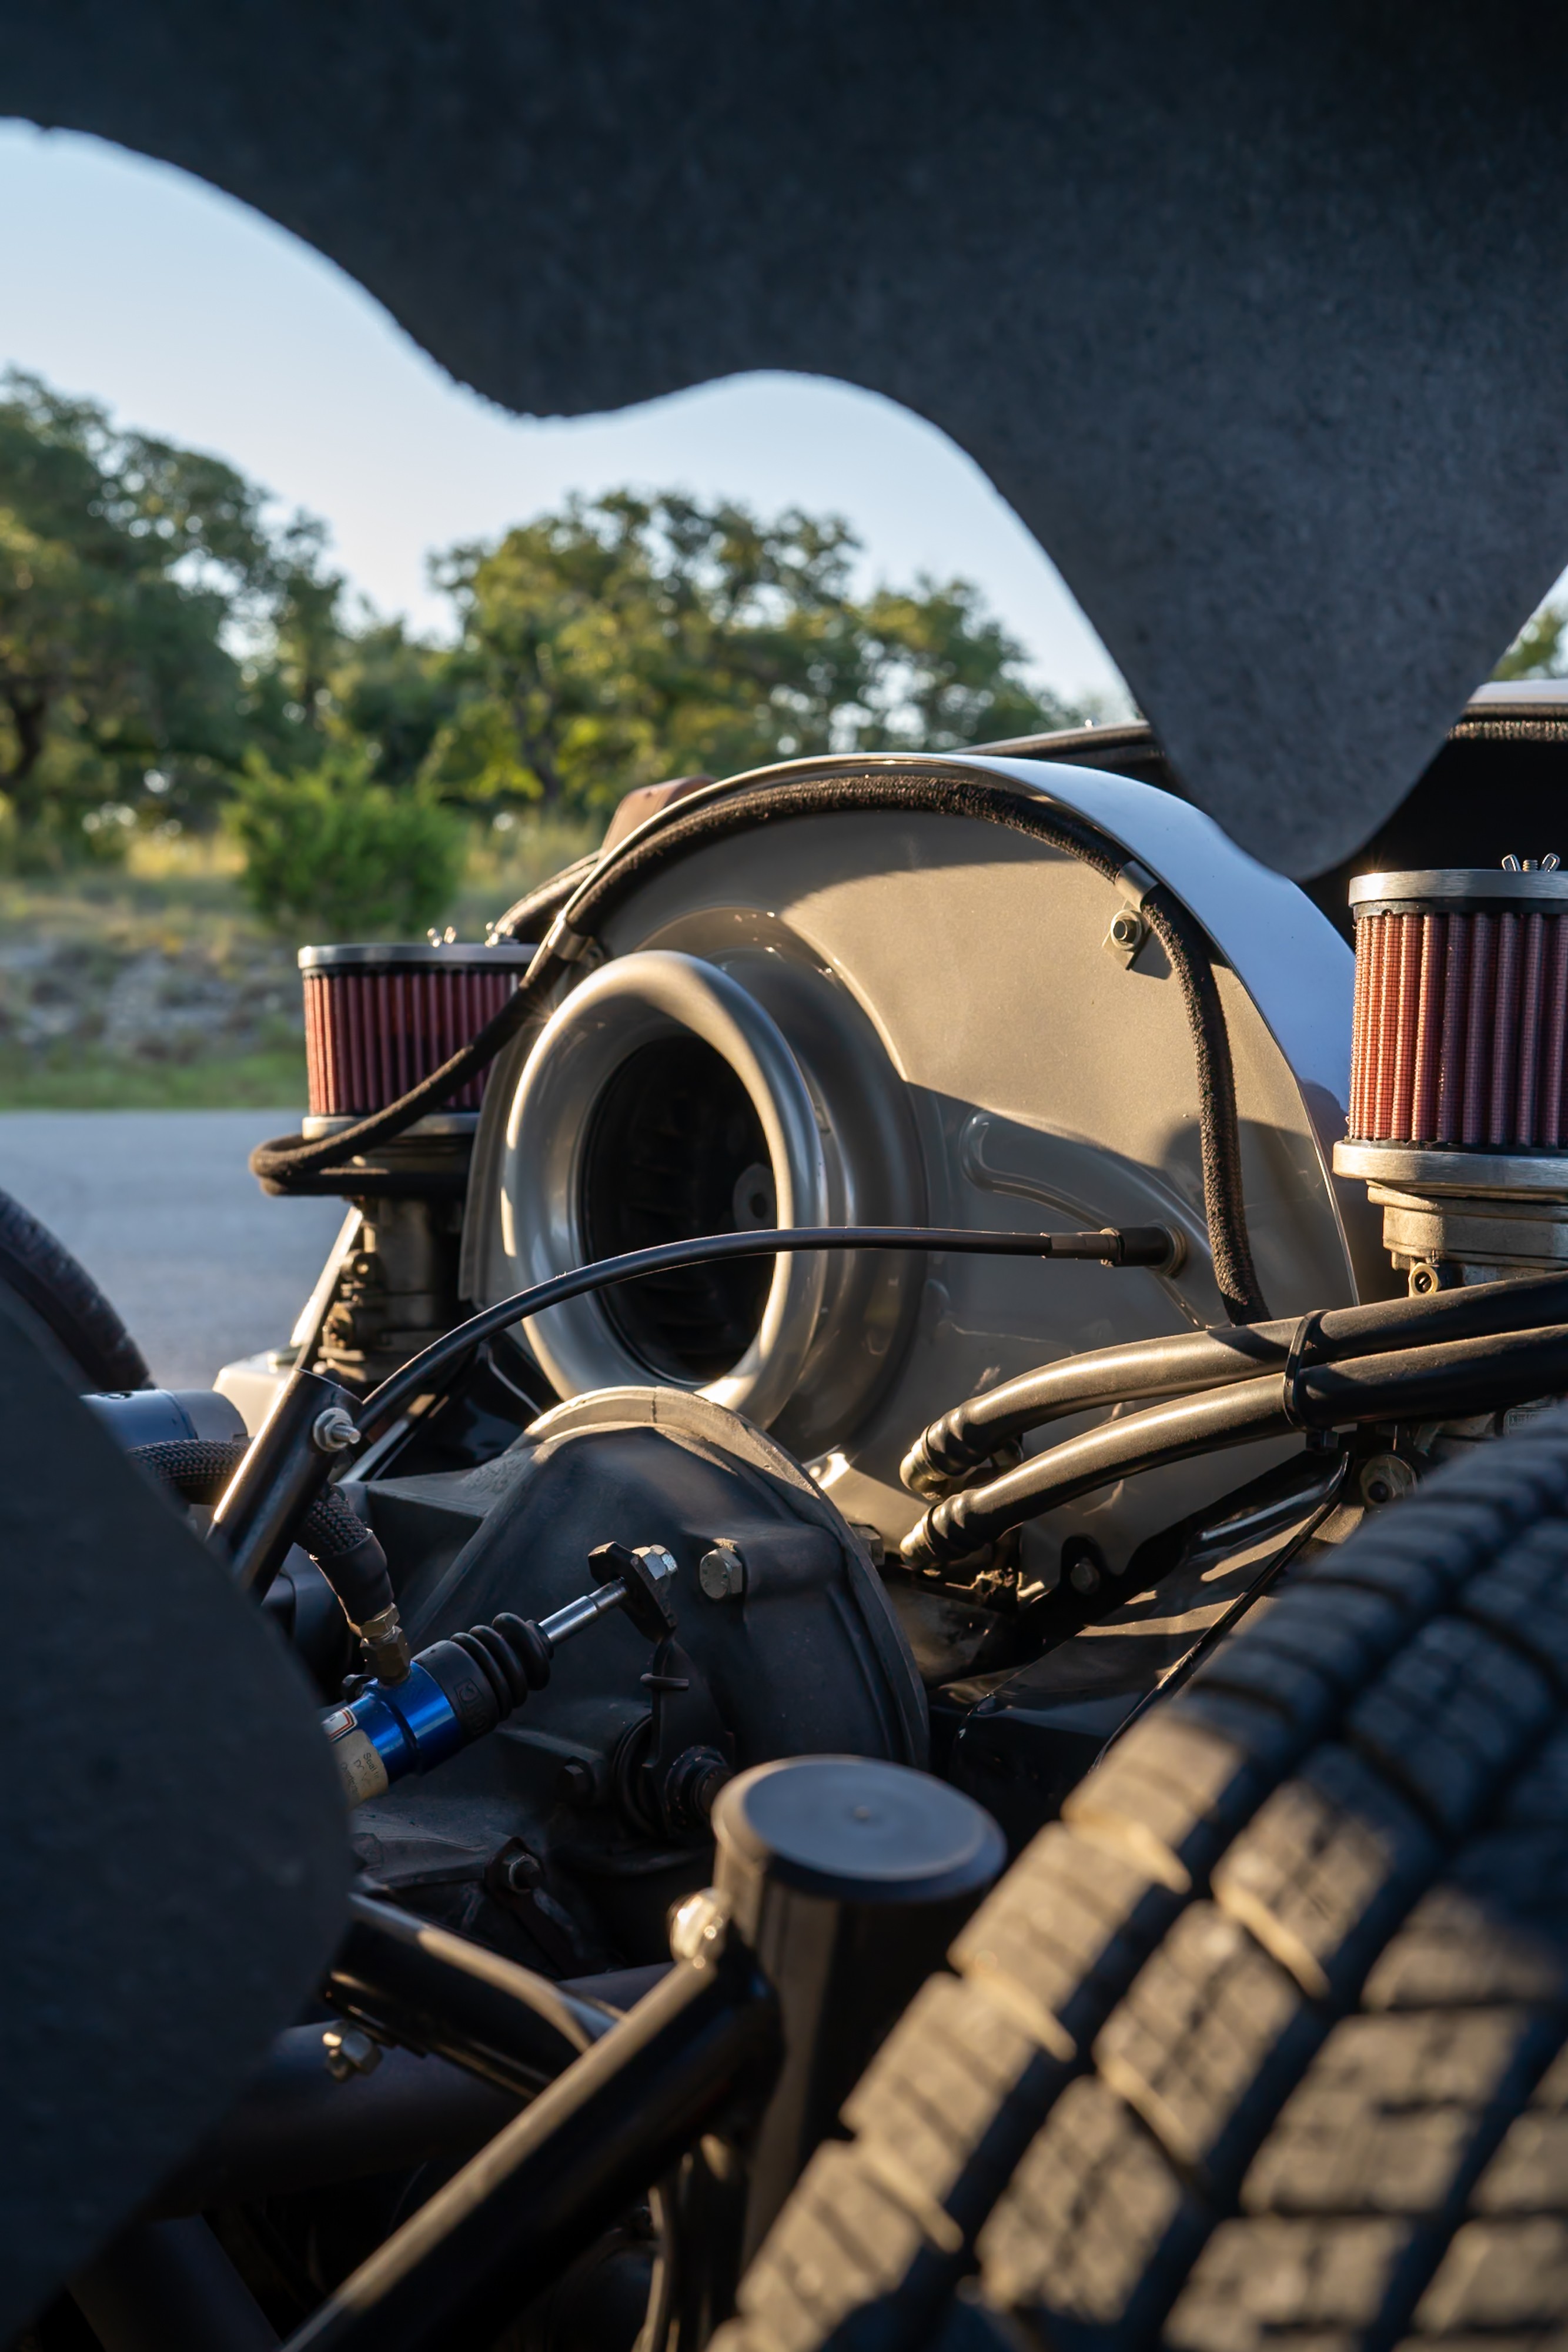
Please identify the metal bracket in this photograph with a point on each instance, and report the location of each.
(1129, 929)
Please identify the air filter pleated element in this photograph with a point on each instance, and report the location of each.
(378, 1019)
(1461, 1009)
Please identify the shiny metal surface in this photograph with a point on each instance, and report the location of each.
(615, 1010)
(562, 1624)
(963, 967)
(1540, 1175)
(1441, 885)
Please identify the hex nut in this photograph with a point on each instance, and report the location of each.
(721, 1572)
(334, 1431)
(1127, 933)
(350, 2051)
(1385, 1479)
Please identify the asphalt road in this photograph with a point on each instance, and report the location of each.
(162, 1210)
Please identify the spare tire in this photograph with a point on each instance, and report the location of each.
(56, 1291)
(1263, 2044)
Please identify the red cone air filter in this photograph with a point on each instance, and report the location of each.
(1461, 999)
(378, 1019)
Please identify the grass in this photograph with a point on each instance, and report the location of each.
(273, 1079)
(181, 899)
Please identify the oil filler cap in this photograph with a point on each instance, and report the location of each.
(848, 1829)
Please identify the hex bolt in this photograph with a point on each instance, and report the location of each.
(350, 2051)
(721, 1572)
(522, 1873)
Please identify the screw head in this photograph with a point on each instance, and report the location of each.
(575, 1782)
(721, 1572)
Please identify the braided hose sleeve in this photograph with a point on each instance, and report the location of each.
(349, 1555)
(348, 1552)
(196, 1468)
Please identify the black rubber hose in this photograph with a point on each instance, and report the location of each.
(1442, 1382)
(57, 1289)
(726, 809)
(1148, 1245)
(966, 1523)
(348, 1553)
(945, 1454)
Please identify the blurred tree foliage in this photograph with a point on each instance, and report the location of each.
(167, 649)
(633, 638)
(1538, 651)
(122, 560)
(329, 851)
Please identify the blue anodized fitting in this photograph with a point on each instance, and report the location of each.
(457, 1690)
(392, 1730)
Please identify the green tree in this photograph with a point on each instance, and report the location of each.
(158, 634)
(393, 694)
(636, 637)
(122, 560)
(1538, 650)
(946, 674)
(328, 848)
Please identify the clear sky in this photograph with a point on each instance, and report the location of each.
(193, 316)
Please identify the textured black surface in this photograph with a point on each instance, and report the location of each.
(1257, 2048)
(173, 1851)
(1255, 317)
(40, 1270)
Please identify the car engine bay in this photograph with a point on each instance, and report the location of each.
(883, 1264)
